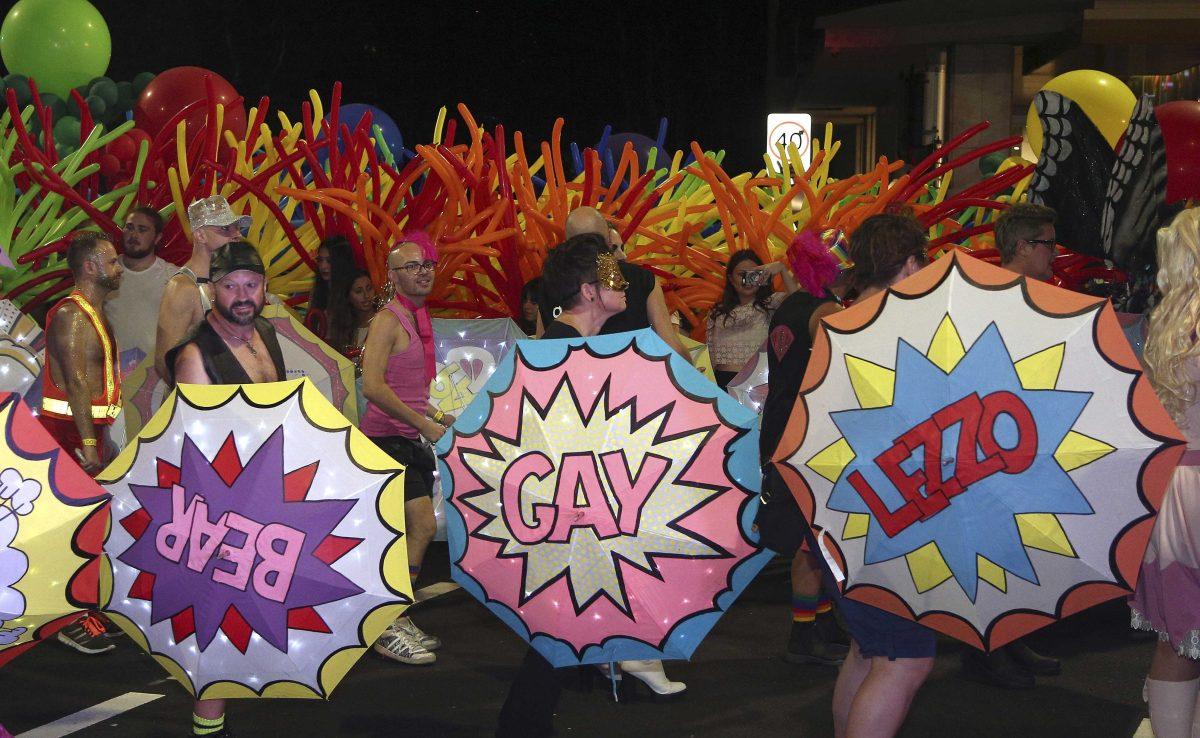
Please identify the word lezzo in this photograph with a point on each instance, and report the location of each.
(580, 500)
(256, 561)
(977, 434)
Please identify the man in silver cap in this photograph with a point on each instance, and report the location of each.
(188, 296)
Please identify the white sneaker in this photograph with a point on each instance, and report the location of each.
(428, 642)
(397, 644)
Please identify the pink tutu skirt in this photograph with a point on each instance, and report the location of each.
(1167, 599)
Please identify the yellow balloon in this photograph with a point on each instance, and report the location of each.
(1106, 101)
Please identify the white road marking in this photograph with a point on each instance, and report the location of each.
(127, 702)
(435, 590)
(89, 717)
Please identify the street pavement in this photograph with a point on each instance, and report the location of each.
(738, 685)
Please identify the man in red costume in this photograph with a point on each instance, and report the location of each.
(83, 382)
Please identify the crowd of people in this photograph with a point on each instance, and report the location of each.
(208, 329)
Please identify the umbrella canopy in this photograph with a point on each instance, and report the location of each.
(749, 386)
(601, 494)
(52, 523)
(980, 452)
(256, 546)
(304, 355)
(467, 353)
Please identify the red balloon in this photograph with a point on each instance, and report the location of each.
(110, 165)
(1180, 124)
(176, 88)
(123, 149)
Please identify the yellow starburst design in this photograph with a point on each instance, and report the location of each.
(874, 386)
(586, 559)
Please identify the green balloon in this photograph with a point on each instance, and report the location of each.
(59, 43)
(19, 84)
(58, 106)
(97, 106)
(66, 131)
(140, 82)
(989, 163)
(63, 149)
(106, 90)
(124, 96)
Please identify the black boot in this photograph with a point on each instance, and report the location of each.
(1032, 661)
(829, 628)
(997, 668)
(805, 646)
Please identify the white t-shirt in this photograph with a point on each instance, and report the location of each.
(133, 309)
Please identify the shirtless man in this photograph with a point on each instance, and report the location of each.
(231, 345)
(83, 382)
(188, 295)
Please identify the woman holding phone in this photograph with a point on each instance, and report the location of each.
(738, 323)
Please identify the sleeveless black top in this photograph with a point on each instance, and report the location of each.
(221, 366)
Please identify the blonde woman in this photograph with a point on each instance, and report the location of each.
(1167, 600)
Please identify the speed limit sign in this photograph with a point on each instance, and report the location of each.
(787, 130)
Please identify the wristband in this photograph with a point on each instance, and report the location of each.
(438, 415)
(89, 442)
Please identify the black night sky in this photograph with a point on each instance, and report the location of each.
(702, 65)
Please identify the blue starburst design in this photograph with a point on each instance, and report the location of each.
(981, 520)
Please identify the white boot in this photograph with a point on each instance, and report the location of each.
(651, 673)
(1172, 705)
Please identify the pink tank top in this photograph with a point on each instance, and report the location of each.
(406, 376)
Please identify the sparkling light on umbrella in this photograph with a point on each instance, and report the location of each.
(980, 452)
(467, 352)
(256, 549)
(749, 386)
(601, 492)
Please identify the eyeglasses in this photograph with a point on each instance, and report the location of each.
(416, 267)
(1039, 241)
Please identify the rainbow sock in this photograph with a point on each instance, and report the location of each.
(824, 606)
(804, 609)
(207, 726)
(414, 572)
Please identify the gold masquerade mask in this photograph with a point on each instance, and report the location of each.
(608, 273)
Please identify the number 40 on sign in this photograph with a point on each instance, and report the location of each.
(787, 130)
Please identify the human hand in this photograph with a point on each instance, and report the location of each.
(432, 431)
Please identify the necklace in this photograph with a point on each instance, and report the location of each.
(245, 342)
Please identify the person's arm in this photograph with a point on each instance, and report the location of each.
(72, 340)
(660, 320)
(789, 280)
(189, 366)
(386, 337)
(176, 315)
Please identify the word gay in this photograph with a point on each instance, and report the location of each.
(976, 434)
(580, 500)
(255, 561)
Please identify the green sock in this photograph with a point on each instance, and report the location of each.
(207, 726)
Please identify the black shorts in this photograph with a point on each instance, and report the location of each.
(417, 459)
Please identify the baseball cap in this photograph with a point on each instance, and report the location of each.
(233, 257)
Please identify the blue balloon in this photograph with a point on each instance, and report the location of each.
(350, 115)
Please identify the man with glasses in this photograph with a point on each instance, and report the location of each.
(397, 366)
(1025, 240)
(188, 295)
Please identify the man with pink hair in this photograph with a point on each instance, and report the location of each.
(397, 366)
